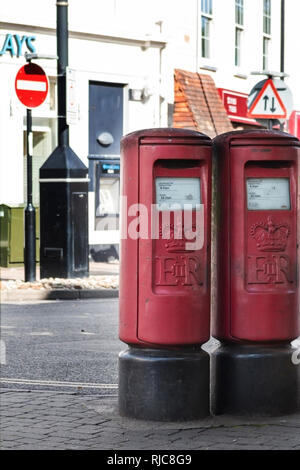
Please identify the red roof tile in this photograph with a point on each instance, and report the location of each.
(197, 104)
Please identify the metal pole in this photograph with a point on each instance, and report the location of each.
(29, 252)
(282, 46)
(62, 63)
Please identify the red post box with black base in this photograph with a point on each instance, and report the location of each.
(256, 288)
(165, 274)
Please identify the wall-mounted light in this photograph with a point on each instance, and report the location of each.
(139, 94)
(135, 94)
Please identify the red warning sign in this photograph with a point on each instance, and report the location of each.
(267, 104)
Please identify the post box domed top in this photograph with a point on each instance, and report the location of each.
(165, 135)
(236, 137)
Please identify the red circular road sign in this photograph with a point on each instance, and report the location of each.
(31, 85)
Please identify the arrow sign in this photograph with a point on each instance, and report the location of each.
(31, 85)
(267, 104)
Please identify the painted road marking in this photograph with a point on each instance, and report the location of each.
(41, 333)
(54, 383)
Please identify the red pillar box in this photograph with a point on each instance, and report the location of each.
(165, 273)
(257, 289)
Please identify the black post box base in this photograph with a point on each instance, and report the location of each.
(254, 380)
(164, 385)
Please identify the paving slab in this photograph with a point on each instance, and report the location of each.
(93, 422)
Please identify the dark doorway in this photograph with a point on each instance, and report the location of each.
(105, 118)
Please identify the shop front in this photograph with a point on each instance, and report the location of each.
(116, 94)
(235, 104)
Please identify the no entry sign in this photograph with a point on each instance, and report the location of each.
(31, 85)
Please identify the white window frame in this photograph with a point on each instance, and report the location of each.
(266, 42)
(239, 4)
(206, 16)
(238, 40)
(239, 32)
(266, 53)
(207, 7)
(267, 17)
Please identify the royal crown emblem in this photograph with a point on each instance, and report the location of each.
(176, 237)
(270, 236)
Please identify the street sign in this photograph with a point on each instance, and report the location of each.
(31, 85)
(72, 101)
(267, 104)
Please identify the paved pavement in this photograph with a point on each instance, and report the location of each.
(95, 269)
(59, 390)
(53, 420)
(102, 282)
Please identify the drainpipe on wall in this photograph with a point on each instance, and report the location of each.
(161, 99)
(282, 45)
(197, 35)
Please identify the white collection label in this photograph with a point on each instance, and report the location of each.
(268, 193)
(174, 193)
(71, 98)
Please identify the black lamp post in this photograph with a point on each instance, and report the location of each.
(63, 186)
(62, 63)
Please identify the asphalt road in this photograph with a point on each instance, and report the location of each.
(61, 345)
(60, 389)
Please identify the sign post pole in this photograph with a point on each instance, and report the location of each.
(31, 85)
(30, 250)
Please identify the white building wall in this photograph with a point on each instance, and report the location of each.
(137, 43)
(104, 62)
(11, 140)
(106, 44)
(139, 18)
(13, 115)
(292, 49)
(184, 44)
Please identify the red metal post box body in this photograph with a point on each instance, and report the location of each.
(164, 287)
(258, 239)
